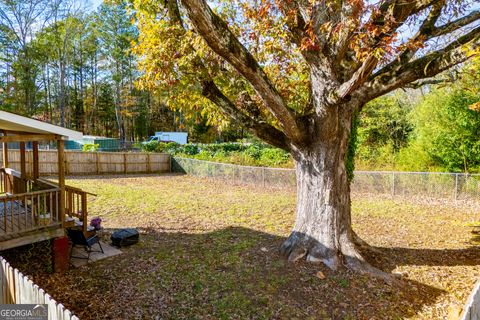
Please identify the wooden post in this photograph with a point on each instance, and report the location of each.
(23, 165)
(125, 163)
(61, 178)
(5, 165)
(84, 211)
(149, 164)
(5, 155)
(36, 171)
(97, 162)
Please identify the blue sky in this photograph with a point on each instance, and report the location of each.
(95, 3)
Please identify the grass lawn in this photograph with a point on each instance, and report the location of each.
(208, 250)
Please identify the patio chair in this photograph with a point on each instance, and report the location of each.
(78, 239)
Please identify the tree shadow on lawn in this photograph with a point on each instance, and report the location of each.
(237, 273)
(390, 258)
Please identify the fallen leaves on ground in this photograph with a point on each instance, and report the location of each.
(209, 250)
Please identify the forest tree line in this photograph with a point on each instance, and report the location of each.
(65, 64)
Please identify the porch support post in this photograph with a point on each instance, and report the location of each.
(61, 178)
(23, 161)
(36, 171)
(5, 152)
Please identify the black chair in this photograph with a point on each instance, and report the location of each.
(78, 239)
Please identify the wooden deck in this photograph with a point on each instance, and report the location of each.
(13, 240)
(28, 216)
(33, 209)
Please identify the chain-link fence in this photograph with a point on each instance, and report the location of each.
(434, 185)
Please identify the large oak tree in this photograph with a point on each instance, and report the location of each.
(295, 73)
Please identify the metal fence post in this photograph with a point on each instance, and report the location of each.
(233, 175)
(456, 186)
(263, 177)
(393, 183)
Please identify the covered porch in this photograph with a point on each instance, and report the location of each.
(32, 208)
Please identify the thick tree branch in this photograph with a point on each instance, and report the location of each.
(426, 82)
(455, 25)
(397, 65)
(340, 50)
(390, 78)
(389, 17)
(358, 78)
(295, 21)
(252, 122)
(423, 33)
(221, 40)
(261, 129)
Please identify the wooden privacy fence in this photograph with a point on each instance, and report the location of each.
(16, 288)
(86, 163)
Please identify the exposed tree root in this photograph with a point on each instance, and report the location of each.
(359, 242)
(296, 248)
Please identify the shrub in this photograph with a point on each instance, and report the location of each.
(254, 151)
(150, 146)
(190, 149)
(256, 154)
(273, 157)
(90, 147)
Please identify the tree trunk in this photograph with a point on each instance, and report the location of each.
(322, 231)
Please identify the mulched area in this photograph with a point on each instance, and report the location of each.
(209, 250)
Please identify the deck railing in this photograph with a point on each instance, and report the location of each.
(29, 211)
(28, 205)
(3, 182)
(75, 202)
(76, 205)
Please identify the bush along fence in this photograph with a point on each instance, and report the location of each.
(435, 185)
(16, 288)
(86, 163)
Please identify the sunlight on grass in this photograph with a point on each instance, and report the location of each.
(209, 249)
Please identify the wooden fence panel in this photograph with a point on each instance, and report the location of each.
(111, 162)
(18, 289)
(88, 163)
(48, 162)
(160, 162)
(137, 162)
